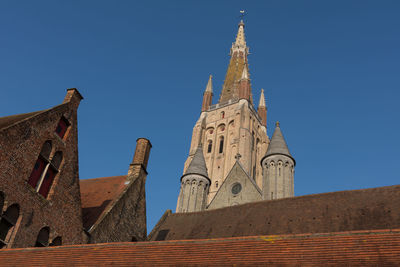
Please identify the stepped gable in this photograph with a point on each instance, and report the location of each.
(97, 196)
(363, 248)
(366, 209)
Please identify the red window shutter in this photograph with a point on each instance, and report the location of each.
(47, 182)
(62, 127)
(37, 172)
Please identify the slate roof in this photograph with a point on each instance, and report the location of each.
(198, 164)
(376, 208)
(97, 195)
(362, 248)
(278, 144)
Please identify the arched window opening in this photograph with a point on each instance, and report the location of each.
(222, 115)
(52, 170)
(7, 223)
(62, 127)
(56, 241)
(43, 237)
(40, 165)
(221, 144)
(209, 147)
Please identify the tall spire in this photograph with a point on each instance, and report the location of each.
(207, 96)
(262, 99)
(209, 87)
(244, 86)
(238, 62)
(262, 109)
(240, 39)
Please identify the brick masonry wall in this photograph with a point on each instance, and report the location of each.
(20, 146)
(126, 221)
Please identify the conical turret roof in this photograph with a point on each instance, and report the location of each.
(198, 164)
(278, 145)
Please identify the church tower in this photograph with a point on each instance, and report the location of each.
(232, 135)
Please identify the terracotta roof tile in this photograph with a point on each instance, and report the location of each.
(361, 248)
(97, 195)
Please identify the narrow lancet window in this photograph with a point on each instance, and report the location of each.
(221, 144)
(209, 147)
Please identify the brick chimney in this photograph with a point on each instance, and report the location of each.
(73, 96)
(141, 157)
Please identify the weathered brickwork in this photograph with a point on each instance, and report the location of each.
(20, 145)
(107, 218)
(125, 219)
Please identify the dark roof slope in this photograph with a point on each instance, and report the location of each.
(10, 120)
(367, 248)
(198, 164)
(278, 144)
(97, 195)
(376, 208)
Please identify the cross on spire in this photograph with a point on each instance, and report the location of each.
(242, 14)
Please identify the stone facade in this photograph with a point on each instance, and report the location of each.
(233, 131)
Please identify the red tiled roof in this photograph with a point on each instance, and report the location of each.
(97, 195)
(361, 248)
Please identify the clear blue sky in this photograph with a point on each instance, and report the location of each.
(330, 70)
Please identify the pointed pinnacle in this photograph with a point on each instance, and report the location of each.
(245, 74)
(262, 99)
(209, 87)
(240, 40)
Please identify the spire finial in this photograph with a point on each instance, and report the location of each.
(240, 39)
(262, 99)
(209, 87)
(277, 124)
(242, 14)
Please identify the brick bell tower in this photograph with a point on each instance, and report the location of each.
(229, 132)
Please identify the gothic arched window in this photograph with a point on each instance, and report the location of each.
(42, 239)
(7, 223)
(40, 165)
(209, 147)
(221, 144)
(52, 170)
